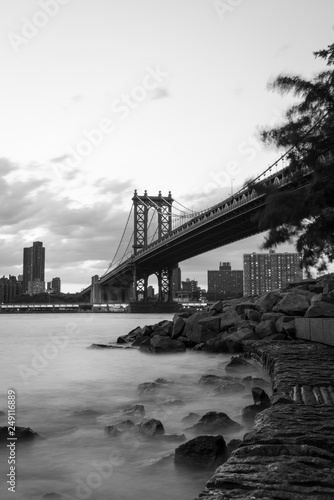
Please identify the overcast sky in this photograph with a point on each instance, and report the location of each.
(102, 97)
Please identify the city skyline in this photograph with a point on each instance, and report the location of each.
(86, 120)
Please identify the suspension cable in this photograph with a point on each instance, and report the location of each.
(121, 240)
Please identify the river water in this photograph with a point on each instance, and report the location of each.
(68, 394)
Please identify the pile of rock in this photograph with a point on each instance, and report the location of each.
(227, 326)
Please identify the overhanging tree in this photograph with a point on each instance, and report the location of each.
(305, 216)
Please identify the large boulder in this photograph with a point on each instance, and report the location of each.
(150, 427)
(202, 451)
(265, 328)
(227, 319)
(178, 326)
(293, 304)
(131, 336)
(163, 328)
(135, 411)
(243, 306)
(224, 342)
(192, 320)
(163, 344)
(211, 379)
(253, 315)
(229, 388)
(267, 301)
(201, 333)
(260, 396)
(286, 324)
(217, 307)
(320, 309)
(21, 434)
(215, 422)
(249, 412)
(238, 364)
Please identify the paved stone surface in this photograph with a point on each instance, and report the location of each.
(290, 452)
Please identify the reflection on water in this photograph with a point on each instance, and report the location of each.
(68, 394)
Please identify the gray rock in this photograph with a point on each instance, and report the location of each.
(286, 324)
(200, 333)
(320, 310)
(229, 388)
(192, 320)
(293, 304)
(260, 396)
(22, 434)
(250, 412)
(267, 301)
(227, 319)
(241, 308)
(136, 410)
(253, 315)
(112, 431)
(215, 422)
(202, 451)
(238, 364)
(265, 328)
(178, 327)
(217, 307)
(233, 445)
(191, 418)
(150, 427)
(215, 379)
(163, 344)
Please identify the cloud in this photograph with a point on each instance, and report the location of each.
(76, 236)
(60, 159)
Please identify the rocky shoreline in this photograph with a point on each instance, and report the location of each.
(289, 454)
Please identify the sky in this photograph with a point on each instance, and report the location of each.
(102, 97)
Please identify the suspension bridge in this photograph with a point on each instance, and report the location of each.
(179, 234)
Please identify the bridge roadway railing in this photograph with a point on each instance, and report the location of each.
(243, 197)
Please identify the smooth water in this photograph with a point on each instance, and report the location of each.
(68, 394)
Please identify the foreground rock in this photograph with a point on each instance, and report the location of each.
(215, 422)
(202, 451)
(23, 434)
(163, 344)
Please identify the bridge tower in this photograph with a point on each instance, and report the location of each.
(163, 207)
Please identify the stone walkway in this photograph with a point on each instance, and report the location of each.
(290, 452)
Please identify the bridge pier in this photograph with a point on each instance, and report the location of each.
(95, 296)
(165, 284)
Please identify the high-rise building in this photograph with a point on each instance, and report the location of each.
(224, 283)
(176, 280)
(33, 264)
(264, 272)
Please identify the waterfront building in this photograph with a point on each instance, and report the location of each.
(33, 264)
(224, 283)
(10, 289)
(264, 272)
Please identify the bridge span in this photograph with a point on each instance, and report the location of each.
(230, 220)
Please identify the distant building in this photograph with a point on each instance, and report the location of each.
(150, 292)
(10, 290)
(224, 283)
(265, 272)
(176, 280)
(33, 264)
(36, 287)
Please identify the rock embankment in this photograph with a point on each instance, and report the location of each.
(289, 454)
(232, 325)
